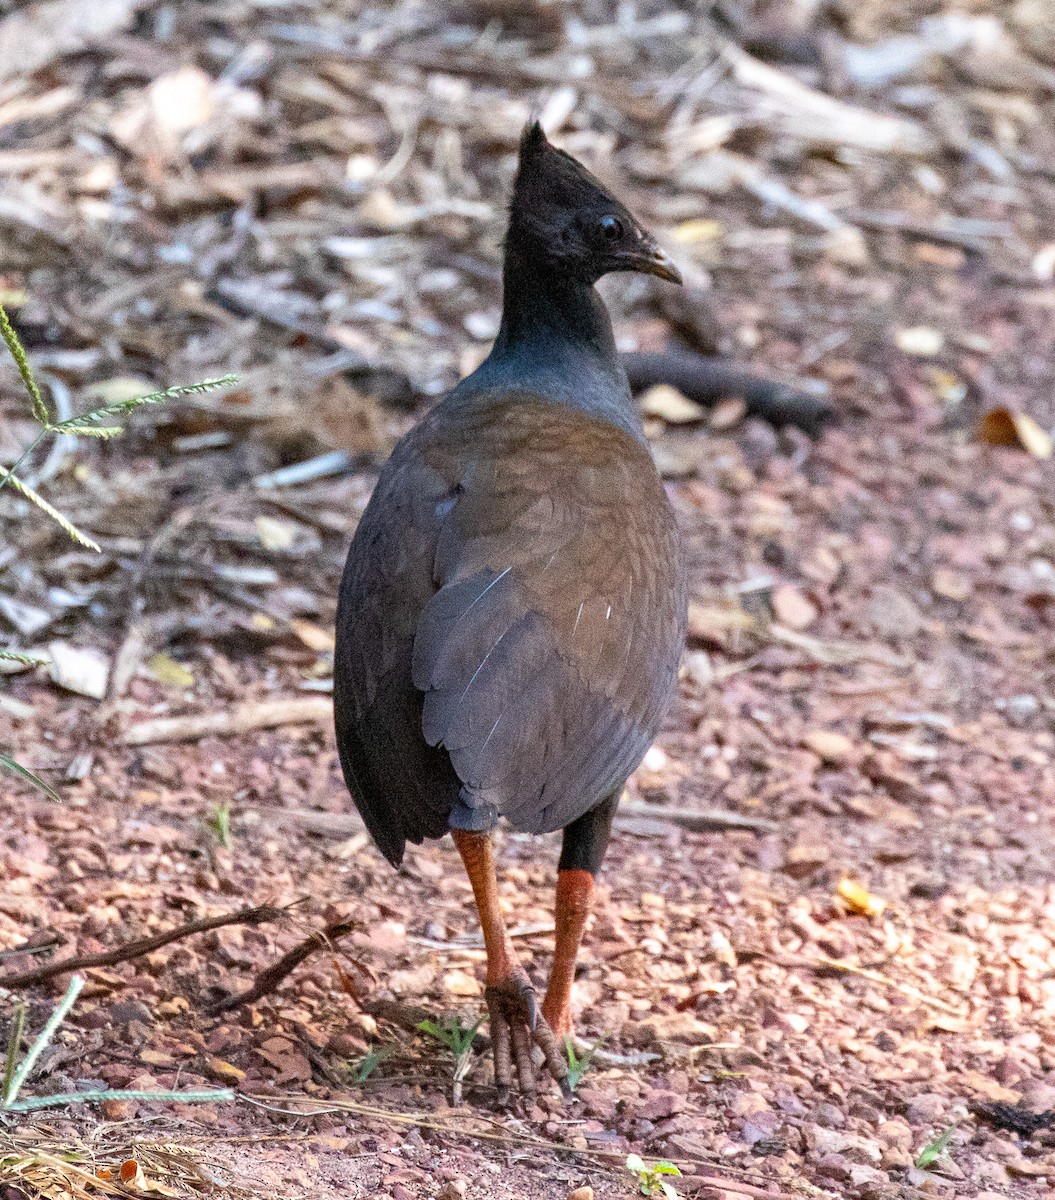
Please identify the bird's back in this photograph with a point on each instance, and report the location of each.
(510, 620)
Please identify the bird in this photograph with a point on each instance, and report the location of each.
(512, 611)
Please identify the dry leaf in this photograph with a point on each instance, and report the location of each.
(919, 341)
(275, 534)
(830, 747)
(792, 608)
(670, 405)
(459, 983)
(313, 636)
(117, 390)
(80, 670)
(727, 413)
(1009, 427)
(860, 900)
(182, 100)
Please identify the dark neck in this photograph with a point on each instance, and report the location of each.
(541, 306)
(556, 342)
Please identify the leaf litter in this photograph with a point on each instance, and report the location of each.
(313, 199)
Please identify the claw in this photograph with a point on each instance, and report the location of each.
(532, 1008)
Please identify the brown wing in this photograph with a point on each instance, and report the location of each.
(550, 649)
(548, 643)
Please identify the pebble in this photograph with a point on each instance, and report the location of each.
(830, 747)
(925, 1109)
(805, 858)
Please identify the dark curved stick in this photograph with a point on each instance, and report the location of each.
(269, 979)
(136, 949)
(708, 380)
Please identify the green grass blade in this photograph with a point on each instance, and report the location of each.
(28, 660)
(78, 424)
(40, 409)
(25, 773)
(36, 498)
(10, 475)
(43, 1039)
(14, 1044)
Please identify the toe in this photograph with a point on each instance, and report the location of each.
(501, 1049)
(522, 1054)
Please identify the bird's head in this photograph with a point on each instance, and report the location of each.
(560, 215)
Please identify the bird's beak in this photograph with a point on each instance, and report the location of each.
(654, 260)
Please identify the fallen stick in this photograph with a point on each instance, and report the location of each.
(136, 949)
(702, 820)
(724, 1186)
(269, 979)
(239, 718)
(708, 380)
(696, 820)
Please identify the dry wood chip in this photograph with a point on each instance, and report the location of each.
(239, 718)
(41, 33)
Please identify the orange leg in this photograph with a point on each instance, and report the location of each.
(574, 902)
(510, 997)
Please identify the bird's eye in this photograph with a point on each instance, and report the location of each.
(610, 228)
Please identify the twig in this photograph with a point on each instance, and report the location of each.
(702, 820)
(333, 462)
(268, 980)
(326, 824)
(696, 820)
(723, 1185)
(823, 963)
(948, 229)
(708, 380)
(136, 949)
(239, 718)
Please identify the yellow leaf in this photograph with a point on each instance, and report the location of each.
(860, 900)
(315, 638)
(168, 671)
(1009, 427)
(699, 230)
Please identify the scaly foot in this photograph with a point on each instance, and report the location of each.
(515, 1027)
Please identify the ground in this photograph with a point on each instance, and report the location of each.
(799, 1006)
